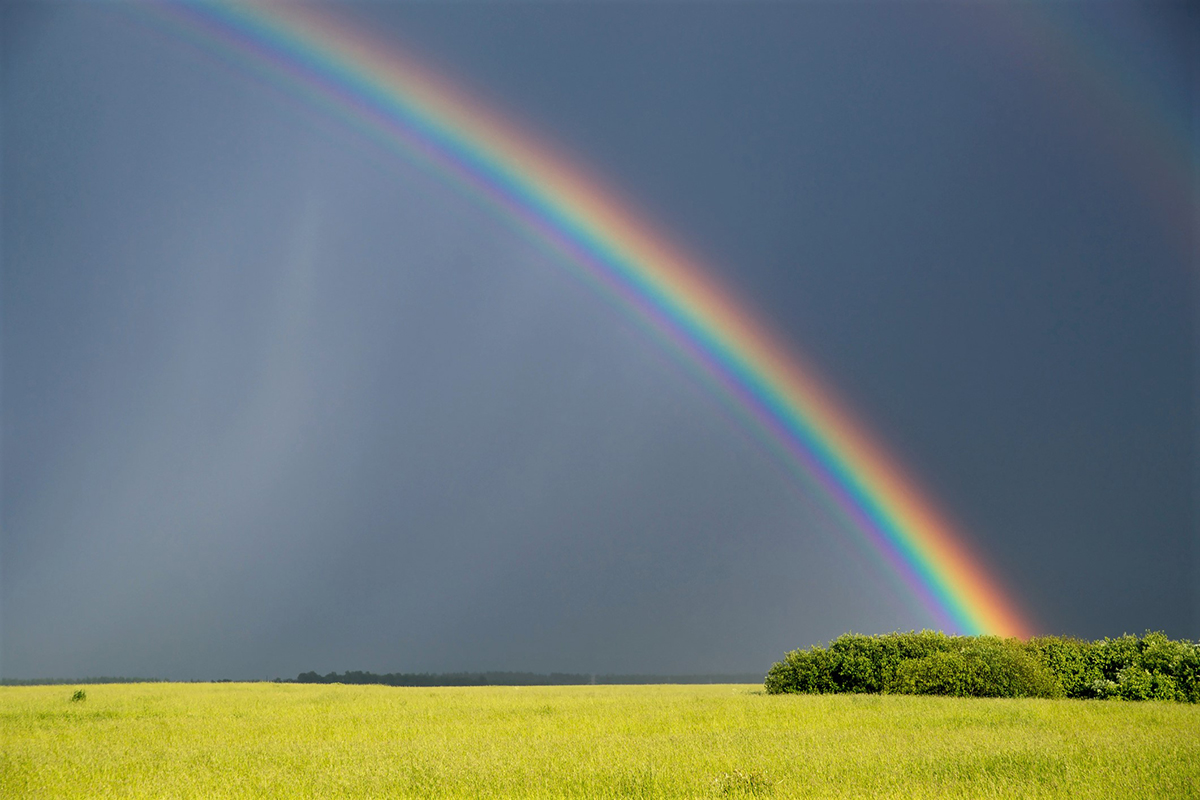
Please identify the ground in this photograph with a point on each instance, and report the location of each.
(290, 740)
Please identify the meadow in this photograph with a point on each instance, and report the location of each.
(293, 740)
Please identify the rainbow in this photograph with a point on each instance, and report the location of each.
(403, 106)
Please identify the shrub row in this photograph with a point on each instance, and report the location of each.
(1150, 667)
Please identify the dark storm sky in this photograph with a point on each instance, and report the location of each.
(275, 399)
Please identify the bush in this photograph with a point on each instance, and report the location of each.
(985, 669)
(804, 672)
(997, 668)
(1187, 679)
(1114, 655)
(1072, 662)
(1151, 667)
(936, 673)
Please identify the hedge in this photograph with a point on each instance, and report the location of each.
(1149, 667)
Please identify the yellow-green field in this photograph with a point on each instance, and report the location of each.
(287, 740)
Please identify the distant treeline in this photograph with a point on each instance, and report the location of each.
(514, 678)
(71, 681)
(1150, 667)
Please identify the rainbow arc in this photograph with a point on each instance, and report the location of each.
(411, 110)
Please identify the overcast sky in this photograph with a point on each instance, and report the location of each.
(275, 399)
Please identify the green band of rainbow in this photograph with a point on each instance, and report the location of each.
(403, 106)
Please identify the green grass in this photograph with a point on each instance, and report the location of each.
(278, 740)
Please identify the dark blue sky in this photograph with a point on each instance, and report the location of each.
(276, 400)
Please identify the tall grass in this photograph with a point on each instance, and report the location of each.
(289, 740)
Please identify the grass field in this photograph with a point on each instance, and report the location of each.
(278, 740)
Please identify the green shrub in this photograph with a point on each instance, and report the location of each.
(997, 668)
(1151, 667)
(1160, 655)
(1134, 683)
(1114, 655)
(803, 672)
(936, 673)
(920, 644)
(1072, 662)
(1163, 687)
(856, 662)
(1187, 679)
(986, 669)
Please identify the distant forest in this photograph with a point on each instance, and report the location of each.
(432, 679)
(73, 681)
(515, 678)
